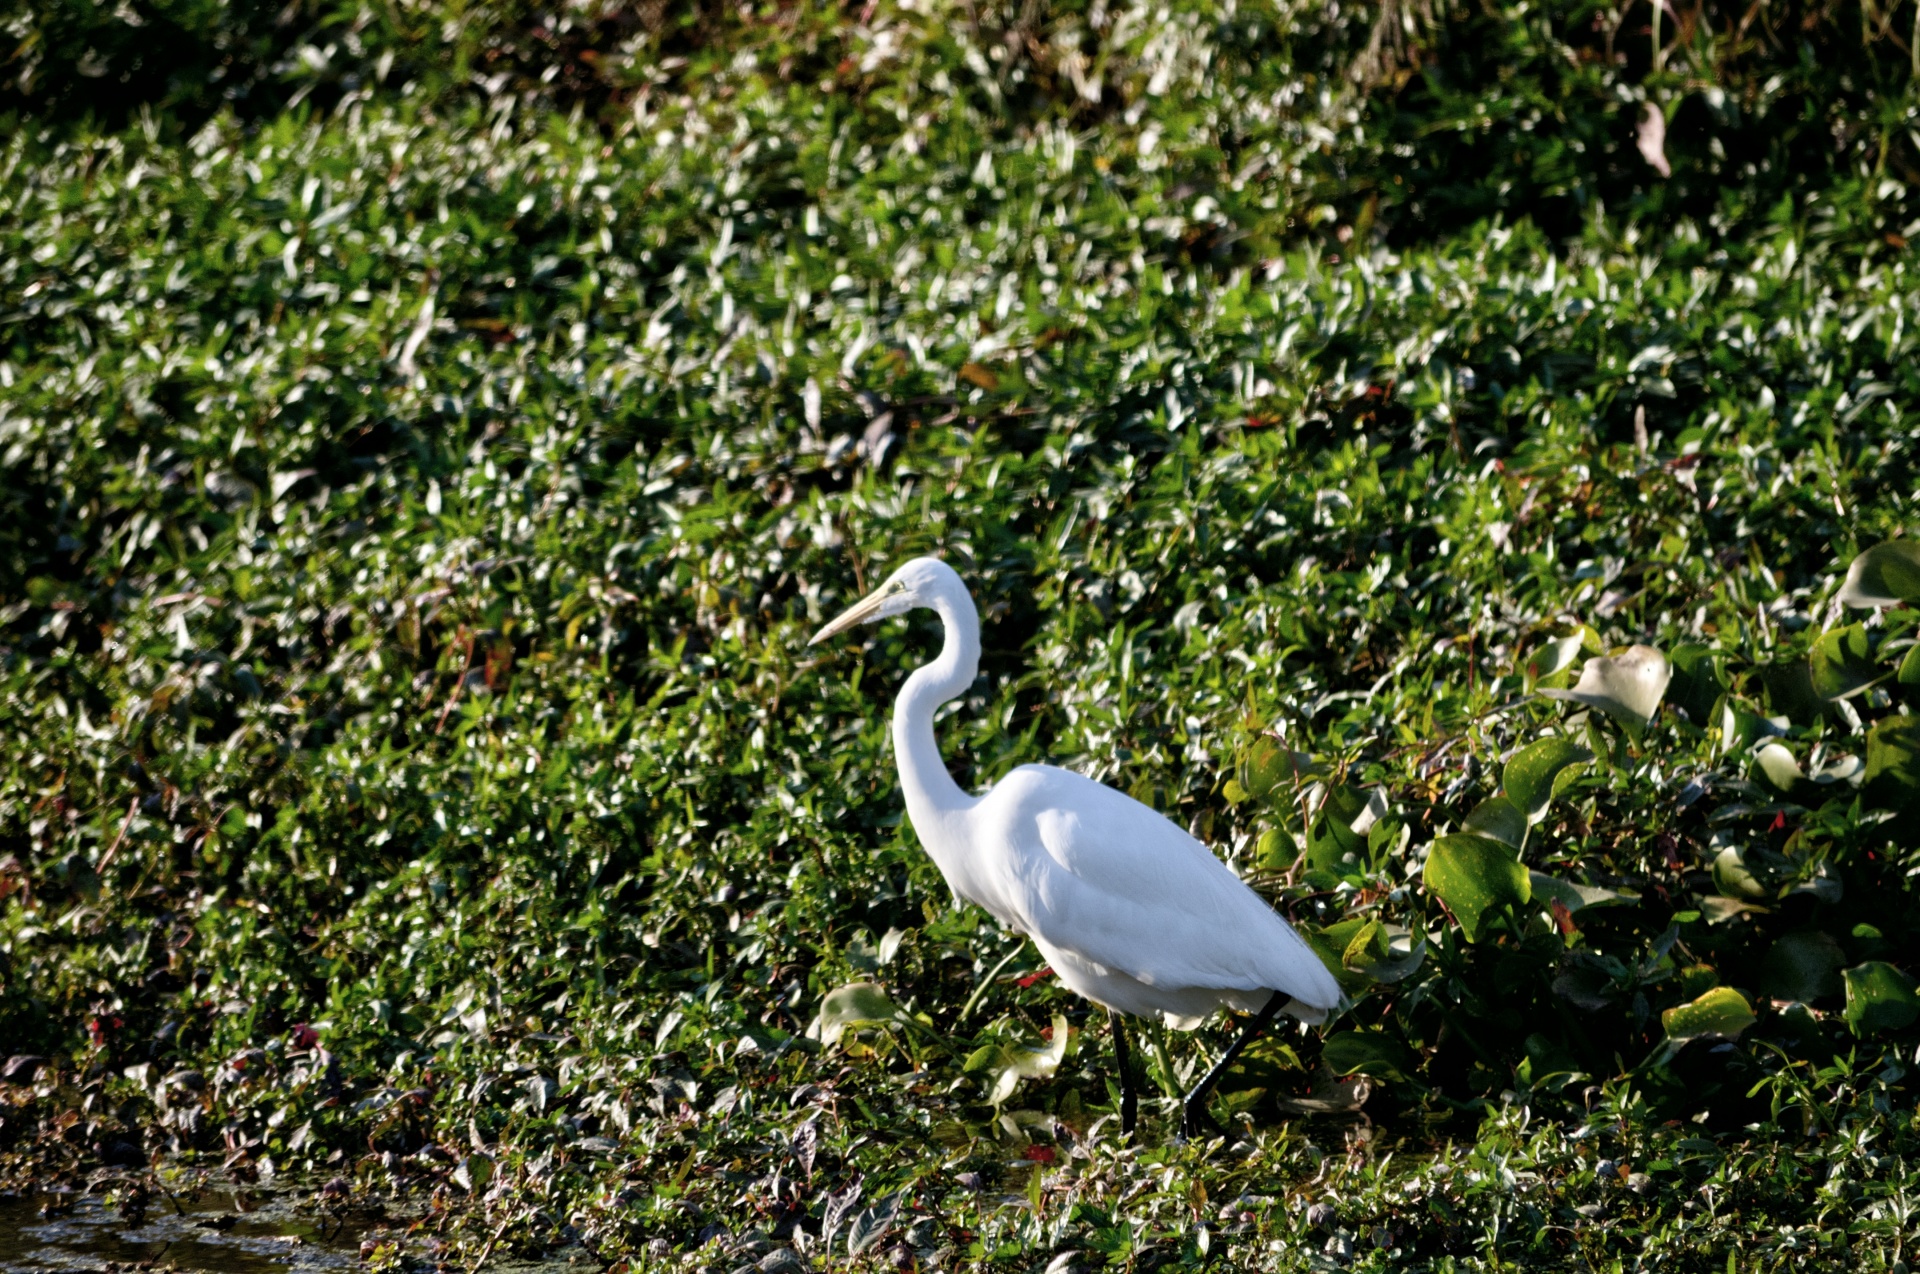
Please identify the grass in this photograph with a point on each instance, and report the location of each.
(423, 473)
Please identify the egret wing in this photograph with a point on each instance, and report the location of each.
(1104, 876)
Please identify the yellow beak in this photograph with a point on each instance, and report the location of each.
(865, 611)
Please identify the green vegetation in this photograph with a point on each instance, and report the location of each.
(428, 441)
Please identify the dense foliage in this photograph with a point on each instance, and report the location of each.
(429, 442)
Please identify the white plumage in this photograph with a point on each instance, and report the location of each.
(1131, 912)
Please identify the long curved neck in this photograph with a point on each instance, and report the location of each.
(929, 789)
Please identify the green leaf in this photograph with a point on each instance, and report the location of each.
(1884, 575)
(1627, 686)
(1533, 774)
(1802, 966)
(1722, 1012)
(1032, 1062)
(1555, 656)
(1572, 896)
(1334, 840)
(1270, 768)
(853, 1005)
(1740, 729)
(1841, 664)
(1780, 767)
(1790, 692)
(1879, 998)
(1732, 878)
(1368, 1053)
(1276, 850)
(1499, 819)
(1893, 762)
(1697, 682)
(1473, 876)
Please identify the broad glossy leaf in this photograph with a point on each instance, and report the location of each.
(1499, 819)
(1732, 878)
(1555, 656)
(1368, 1053)
(1884, 575)
(1697, 682)
(1271, 769)
(1842, 665)
(1574, 897)
(1722, 1012)
(856, 1004)
(1533, 774)
(1627, 686)
(1893, 762)
(1879, 998)
(1473, 876)
(1031, 1062)
(1779, 766)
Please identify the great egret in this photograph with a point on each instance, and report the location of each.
(1131, 912)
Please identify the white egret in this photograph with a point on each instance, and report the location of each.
(1130, 911)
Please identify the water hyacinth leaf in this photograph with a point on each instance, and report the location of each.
(1368, 1053)
(1740, 729)
(1574, 897)
(1909, 672)
(1032, 1062)
(1475, 876)
(1892, 776)
(1499, 819)
(1879, 998)
(1334, 839)
(1272, 769)
(1780, 767)
(1403, 956)
(1554, 657)
(1627, 686)
(1840, 767)
(1697, 682)
(1885, 575)
(1721, 1013)
(856, 1004)
(1732, 878)
(1790, 692)
(1276, 850)
(1533, 774)
(1803, 966)
(1841, 664)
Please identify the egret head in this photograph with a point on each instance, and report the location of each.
(921, 582)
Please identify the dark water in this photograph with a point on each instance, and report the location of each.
(252, 1232)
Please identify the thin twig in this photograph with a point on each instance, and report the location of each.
(113, 850)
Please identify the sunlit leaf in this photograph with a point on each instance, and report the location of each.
(1367, 1053)
(1880, 998)
(1842, 665)
(856, 1004)
(1498, 819)
(1885, 575)
(1474, 876)
(1722, 1013)
(1533, 774)
(1626, 687)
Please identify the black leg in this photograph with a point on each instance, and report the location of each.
(1129, 1099)
(1193, 1116)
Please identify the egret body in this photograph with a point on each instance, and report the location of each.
(1130, 911)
